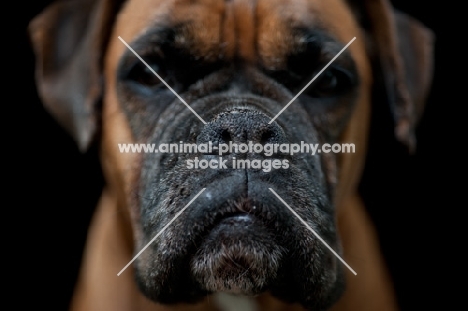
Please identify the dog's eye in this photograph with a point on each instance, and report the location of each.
(141, 74)
(332, 82)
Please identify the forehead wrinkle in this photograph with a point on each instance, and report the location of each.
(202, 34)
(202, 19)
(278, 19)
(243, 28)
(275, 22)
(245, 23)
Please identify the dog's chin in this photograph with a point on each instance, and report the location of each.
(239, 256)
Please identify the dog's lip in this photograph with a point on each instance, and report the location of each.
(239, 217)
(229, 198)
(230, 219)
(236, 219)
(232, 196)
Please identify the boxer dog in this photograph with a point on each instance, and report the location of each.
(236, 63)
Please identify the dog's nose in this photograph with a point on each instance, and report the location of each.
(242, 126)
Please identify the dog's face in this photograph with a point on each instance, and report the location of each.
(237, 63)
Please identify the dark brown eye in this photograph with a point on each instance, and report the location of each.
(332, 82)
(141, 74)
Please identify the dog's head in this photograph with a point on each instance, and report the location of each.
(237, 64)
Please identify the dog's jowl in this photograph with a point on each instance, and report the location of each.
(236, 64)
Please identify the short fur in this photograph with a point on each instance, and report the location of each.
(237, 63)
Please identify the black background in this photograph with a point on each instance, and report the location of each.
(410, 198)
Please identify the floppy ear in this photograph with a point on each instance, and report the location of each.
(68, 39)
(404, 51)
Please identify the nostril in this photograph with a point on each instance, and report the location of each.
(226, 136)
(267, 136)
(241, 128)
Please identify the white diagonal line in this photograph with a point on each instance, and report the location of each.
(159, 233)
(312, 230)
(318, 74)
(170, 88)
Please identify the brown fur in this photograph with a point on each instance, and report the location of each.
(111, 235)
